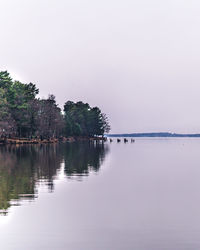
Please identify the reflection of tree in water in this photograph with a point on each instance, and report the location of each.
(22, 167)
(81, 158)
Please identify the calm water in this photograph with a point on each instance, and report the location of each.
(80, 196)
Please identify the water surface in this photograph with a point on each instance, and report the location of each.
(141, 196)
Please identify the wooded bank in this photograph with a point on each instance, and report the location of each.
(24, 115)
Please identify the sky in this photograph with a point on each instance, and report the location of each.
(138, 60)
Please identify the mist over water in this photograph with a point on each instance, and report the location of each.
(142, 195)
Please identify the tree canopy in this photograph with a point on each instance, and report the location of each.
(82, 120)
(23, 114)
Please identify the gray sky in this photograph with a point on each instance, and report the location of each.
(138, 60)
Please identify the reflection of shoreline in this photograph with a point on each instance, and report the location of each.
(84, 157)
(22, 167)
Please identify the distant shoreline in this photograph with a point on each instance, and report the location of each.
(159, 134)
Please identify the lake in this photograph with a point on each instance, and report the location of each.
(112, 196)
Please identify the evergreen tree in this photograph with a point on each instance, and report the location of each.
(81, 119)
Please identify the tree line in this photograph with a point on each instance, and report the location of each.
(23, 114)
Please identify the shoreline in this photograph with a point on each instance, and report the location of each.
(17, 141)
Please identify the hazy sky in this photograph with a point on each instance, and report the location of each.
(138, 60)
